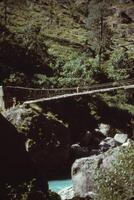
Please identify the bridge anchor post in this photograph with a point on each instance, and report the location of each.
(77, 89)
(2, 103)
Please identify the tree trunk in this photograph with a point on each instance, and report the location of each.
(101, 38)
(5, 12)
(51, 12)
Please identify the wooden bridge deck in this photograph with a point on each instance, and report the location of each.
(34, 95)
(76, 94)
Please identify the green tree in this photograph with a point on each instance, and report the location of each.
(99, 32)
(4, 12)
(32, 37)
(6, 9)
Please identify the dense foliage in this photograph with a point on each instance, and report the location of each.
(62, 44)
(118, 183)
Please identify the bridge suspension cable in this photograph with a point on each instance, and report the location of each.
(124, 85)
(28, 95)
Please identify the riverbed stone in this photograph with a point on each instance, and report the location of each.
(121, 137)
(104, 129)
(108, 143)
(66, 193)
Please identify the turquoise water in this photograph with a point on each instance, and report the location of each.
(57, 185)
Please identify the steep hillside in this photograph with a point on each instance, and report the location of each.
(54, 35)
(57, 44)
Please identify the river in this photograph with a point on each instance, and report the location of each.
(57, 185)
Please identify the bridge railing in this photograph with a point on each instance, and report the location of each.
(23, 94)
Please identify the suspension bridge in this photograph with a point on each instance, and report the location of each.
(35, 95)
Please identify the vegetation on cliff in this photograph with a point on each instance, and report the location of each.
(118, 183)
(66, 44)
(60, 44)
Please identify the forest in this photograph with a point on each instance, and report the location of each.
(67, 45)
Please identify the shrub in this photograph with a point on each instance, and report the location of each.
(118, 183)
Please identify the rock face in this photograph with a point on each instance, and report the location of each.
(84, 171)
(15, 162)
(48, 139)
(16, 166)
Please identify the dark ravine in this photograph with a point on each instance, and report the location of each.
(54, 131)
(17, 168)
(47, 138)
(56, 134)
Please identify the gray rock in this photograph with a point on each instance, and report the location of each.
(66, 193)
(127, 143)
(121, 137)
(84, 171)
(104, 129)
(108, 143)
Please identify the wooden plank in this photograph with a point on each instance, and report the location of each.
(80, 94)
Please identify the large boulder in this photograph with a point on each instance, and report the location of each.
(47, 137)
(85, 171)
(83, 175)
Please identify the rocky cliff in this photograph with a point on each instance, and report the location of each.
(17, 170)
